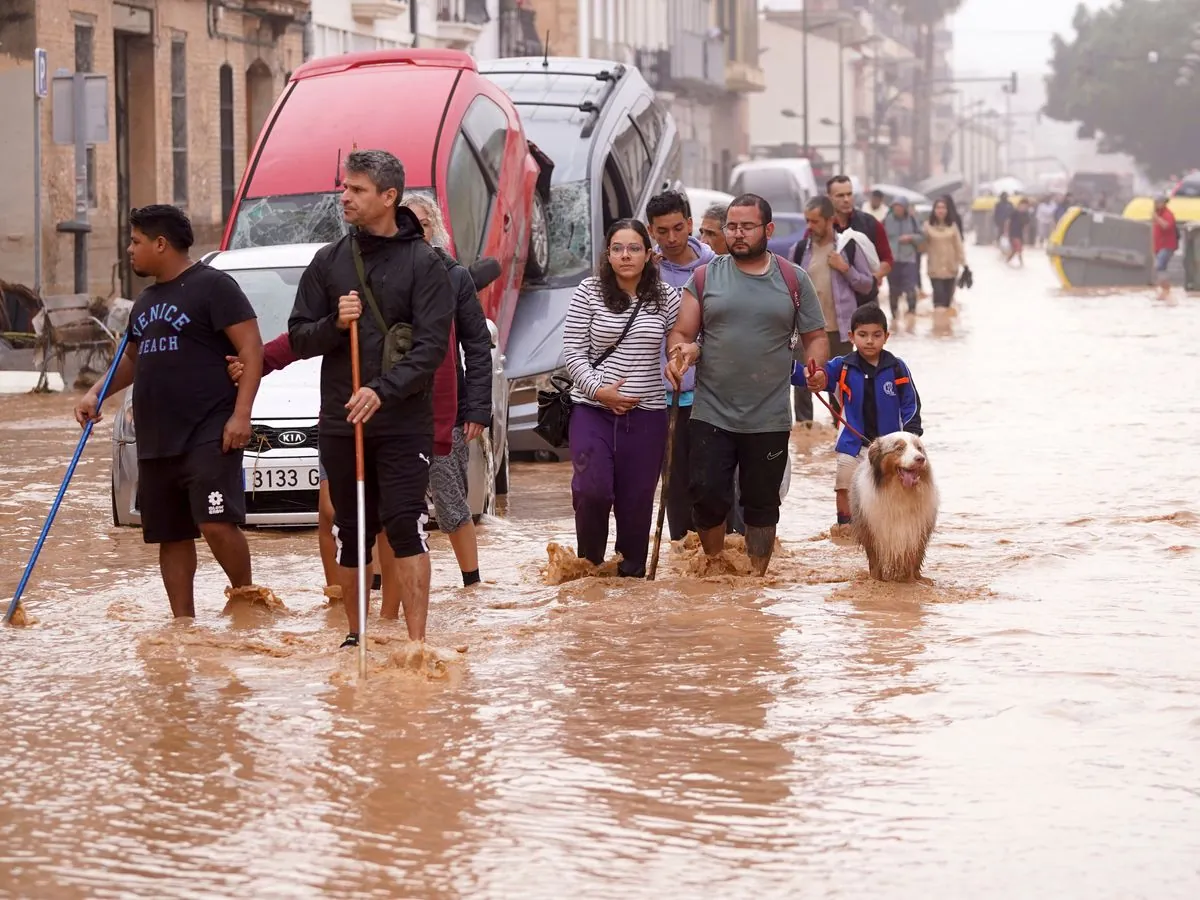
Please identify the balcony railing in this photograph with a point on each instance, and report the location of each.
(697, 60)
(518, 31)
(469, 12)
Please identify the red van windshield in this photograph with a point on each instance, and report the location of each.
(292, 219)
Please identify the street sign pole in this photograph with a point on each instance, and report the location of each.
(81, 187)
(41, 88)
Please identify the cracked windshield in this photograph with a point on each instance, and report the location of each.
(759, 467)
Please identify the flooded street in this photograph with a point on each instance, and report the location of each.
(1027, 725)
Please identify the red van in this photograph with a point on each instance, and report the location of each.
(458, 135)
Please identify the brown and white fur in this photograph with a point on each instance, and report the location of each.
(894, 506)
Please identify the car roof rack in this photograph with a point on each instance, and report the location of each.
(610, 76)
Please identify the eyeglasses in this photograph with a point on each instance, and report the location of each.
(619, 249)
(741, 227)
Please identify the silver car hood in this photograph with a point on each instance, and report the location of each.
(534, 344)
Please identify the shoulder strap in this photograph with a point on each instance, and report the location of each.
(366, 286)
(629, 324)
(698, 280)
(800, 250)
(789, 277)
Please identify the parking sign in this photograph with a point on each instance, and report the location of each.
(41, 67)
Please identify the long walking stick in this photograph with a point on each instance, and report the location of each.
(666, 481)
(15, 604)
(360, 478)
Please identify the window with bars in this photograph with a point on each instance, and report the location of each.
(228, 185)
(179, 130)
(85, 61)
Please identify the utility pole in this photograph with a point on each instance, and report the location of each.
(841, 103)
(414, 20)
(804, 65)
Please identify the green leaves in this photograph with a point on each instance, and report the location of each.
(1120, 79)
(926, 12)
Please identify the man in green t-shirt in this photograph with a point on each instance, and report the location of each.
(741, 415)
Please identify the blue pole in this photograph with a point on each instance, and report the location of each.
(62, 490)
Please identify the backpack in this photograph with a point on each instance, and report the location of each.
(850, 251)
(789, 278)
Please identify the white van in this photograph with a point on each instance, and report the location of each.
(787, 184)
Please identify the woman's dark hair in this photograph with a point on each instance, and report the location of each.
(952, 217)
(648, 289)
(162, 221)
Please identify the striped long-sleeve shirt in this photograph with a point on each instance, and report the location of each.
(591, 328)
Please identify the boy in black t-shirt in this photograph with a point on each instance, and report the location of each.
(191, 422)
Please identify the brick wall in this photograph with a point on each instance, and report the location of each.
(561, 19)
(151, 178)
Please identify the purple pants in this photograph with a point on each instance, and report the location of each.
(616, 462)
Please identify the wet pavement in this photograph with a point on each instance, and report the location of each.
(1025, 725)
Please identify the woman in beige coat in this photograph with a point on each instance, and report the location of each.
(944, 255)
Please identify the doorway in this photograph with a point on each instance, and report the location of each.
(260, 97)
(135, 145)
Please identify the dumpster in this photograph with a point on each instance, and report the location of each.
(1191, 255)
(983, 217)
(1095, 250)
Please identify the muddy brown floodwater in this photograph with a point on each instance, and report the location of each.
(1026, 725)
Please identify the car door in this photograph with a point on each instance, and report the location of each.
(486, 130)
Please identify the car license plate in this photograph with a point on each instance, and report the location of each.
(282, 478)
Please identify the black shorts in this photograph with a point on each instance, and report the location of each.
(761, 460)
(177, 494)
(397, 477)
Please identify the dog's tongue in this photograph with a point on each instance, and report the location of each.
(909, 478)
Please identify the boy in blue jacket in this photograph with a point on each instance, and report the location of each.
(877, 394)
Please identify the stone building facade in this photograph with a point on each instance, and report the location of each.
(190, 83)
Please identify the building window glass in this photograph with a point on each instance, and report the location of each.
(179, 153)
(85, 47)
(85, 61)
(228, 185)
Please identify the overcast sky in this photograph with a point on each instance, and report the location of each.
(1003, 35)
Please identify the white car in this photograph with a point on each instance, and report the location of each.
(700, 199)
(280, 465)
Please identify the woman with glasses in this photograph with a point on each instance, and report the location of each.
(612, 345)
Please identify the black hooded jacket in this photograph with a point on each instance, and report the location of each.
(410, 284)
(474, 346)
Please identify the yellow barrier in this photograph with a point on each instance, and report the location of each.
(1186, 209)
(1056, 240)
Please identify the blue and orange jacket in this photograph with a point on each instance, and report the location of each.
(897, 403)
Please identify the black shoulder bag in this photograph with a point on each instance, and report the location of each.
(554, 406)
(398, 339)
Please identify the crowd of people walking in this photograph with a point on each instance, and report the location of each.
(700, 337)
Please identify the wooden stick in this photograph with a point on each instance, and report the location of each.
(666, 480)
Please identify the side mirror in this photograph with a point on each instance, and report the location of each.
(484, 271)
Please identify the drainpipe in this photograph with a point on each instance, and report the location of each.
(414, 20)
(585, 28)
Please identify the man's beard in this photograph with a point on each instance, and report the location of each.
(754, 251)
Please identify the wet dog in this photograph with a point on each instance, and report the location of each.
(894, 506)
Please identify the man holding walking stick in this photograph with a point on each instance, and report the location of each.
(385, 265)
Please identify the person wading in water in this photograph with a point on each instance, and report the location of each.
(755, 318)
(408, 282)
(192, 422)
